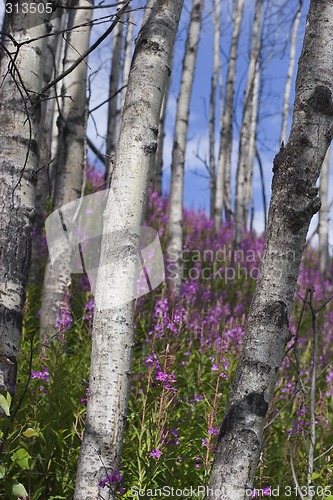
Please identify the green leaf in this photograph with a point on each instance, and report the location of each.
(8, 399)
(19, 490)
(4, 405)
(330, 497)
(2, 471)
(29, 432)
(315, 475)
(21, 457)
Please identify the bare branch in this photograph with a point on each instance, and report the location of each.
(87, 52)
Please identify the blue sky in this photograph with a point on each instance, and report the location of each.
(279, 16)
(277, 30)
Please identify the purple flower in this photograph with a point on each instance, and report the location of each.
(266, 492)
(64, 321)
(89, 309)
(162, 377)
(155, 453)
(109, 479)
(42, 375)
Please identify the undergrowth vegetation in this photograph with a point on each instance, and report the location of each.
(184, 359)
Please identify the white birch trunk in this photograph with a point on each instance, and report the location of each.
(174, 228)
(291, 67)
(69, 164)
(323, 216)
(252, 144)
(19, 152)
(213, 99)
(245, 166)
(157, 175)
(127, 59)
(60, 62)
(113, 110)
(293, 203)
(223, 188)
(113, 324)
(43, 190)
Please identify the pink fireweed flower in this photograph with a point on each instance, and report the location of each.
(155, 453)
(42, 375)
(64, 321)
(109, 479)
(162, 377)
(213, 430)
(266, 492)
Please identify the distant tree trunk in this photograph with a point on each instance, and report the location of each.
(212, 108)
(294, 201)
(43, 190)
(127, 58)
(19, 151)
(175, 222)
(323, 216)
(113, 323)
(157, 175)
(245, 157)
(252, 148)
(263, 191)
(113, 112)
(292, 56)
(223, 189)
(70, 162)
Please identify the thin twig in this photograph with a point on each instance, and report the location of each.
(313, 394)
(88, 51)
(294, 473)
(95, 150)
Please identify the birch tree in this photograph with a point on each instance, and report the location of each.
(252, 147)
(127, 58)
(113, 111)
(294, 201)
(175, 221)
(212, 106)
(291, 67)
(21, 66)
(323, 216)
(157, 175)
(245, 158)
(47, 122)
(223, 188)
(69, 162)
(112, 335)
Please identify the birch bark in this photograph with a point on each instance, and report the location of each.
(293, 203)
(223, 188)
(252, 146)
(113, 111)
(323, 216)
(212, 108)
(69, 162)
(175, 221)
(127, 58)
(44, 189)
(157, 176)
(19, 151)
(291, 67)
(244, 166)
(113, 324)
